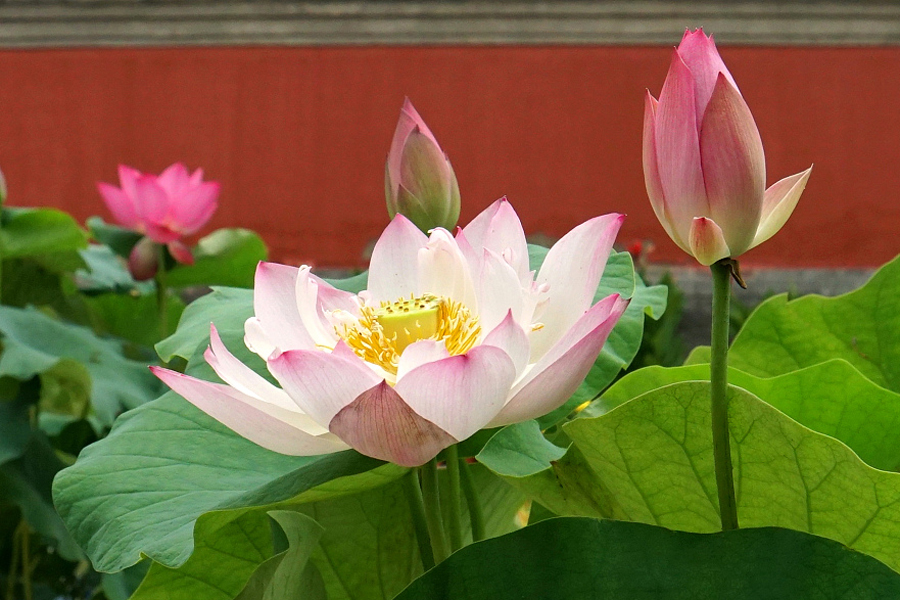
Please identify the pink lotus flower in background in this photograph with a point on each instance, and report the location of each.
(452, 335)
(419, 182)
(165, 208)
(704, 165)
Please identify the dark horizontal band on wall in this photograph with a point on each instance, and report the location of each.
(42, 23)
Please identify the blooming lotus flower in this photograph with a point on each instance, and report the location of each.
(165, 208)
(704, 165)
(419, 182)
(452, 335)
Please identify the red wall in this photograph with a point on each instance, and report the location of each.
(298, 136)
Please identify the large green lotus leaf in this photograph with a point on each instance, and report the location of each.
(35, 231)
(228, 308)
(16, 400)
(832, 398)
(226, 257)
(34, 343)
(580, 558)
(228, 549)
(132, 317)
(368, 549)
(141, 489)
(862, 327)
(650, 460)
(288, 575)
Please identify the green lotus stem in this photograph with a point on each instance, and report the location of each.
(162, 294)
(26, 560)
(476, 514)
(420, 523)
(432, 496)
(451, 454)
(14, 563)
(718, 376)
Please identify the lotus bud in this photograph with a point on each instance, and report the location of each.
(419, 182)
(143, 261)
(704, 165)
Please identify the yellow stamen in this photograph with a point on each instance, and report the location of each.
(380, 335)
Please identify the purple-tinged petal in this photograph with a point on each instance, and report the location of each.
(678, 149)
(180, 252)
(512, 339)
(707, 242)
(395, 261)
(420, 353)
(151, 201)
(554, 378)
(700, 55)
(572, 270)
(322, 383)
(779, 202)
(120, 205)
(378, 423)
(261, 422)
(160, 234)
(275, 307)
(734, 166)
(462, 393)
(498, 228)
(651, 173)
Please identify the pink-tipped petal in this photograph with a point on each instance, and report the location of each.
(315, 299)
(175, 179)
(160, 234)
(734, 166)
(128, 179)
(395, 261)
(180, 252)
(240, 376)
(498, 229)
(444, 271)
(499, 291)
(651, 173)
(263, 423)
(419, 353)
(462, 393)
(572, 270)
(194, 207)
(378, 423)
(780, 200)
(678, 149)
(119, 204)
(151, 201)
(554, 378)
(409, 120)
(700, 55)
(707, 242)
(321, 383)
(512, 339)
(275, 307)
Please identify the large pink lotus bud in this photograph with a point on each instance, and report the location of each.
(419, 182)
(166, 207)
(704, 165)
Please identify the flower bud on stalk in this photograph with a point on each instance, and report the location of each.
(704, 165)
(419, 182)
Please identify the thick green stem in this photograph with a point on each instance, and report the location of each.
(162, 293)
(420, 523)
(476, 514)
(718, 375)
(455, 508)
(432, 497)
(14, 563)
